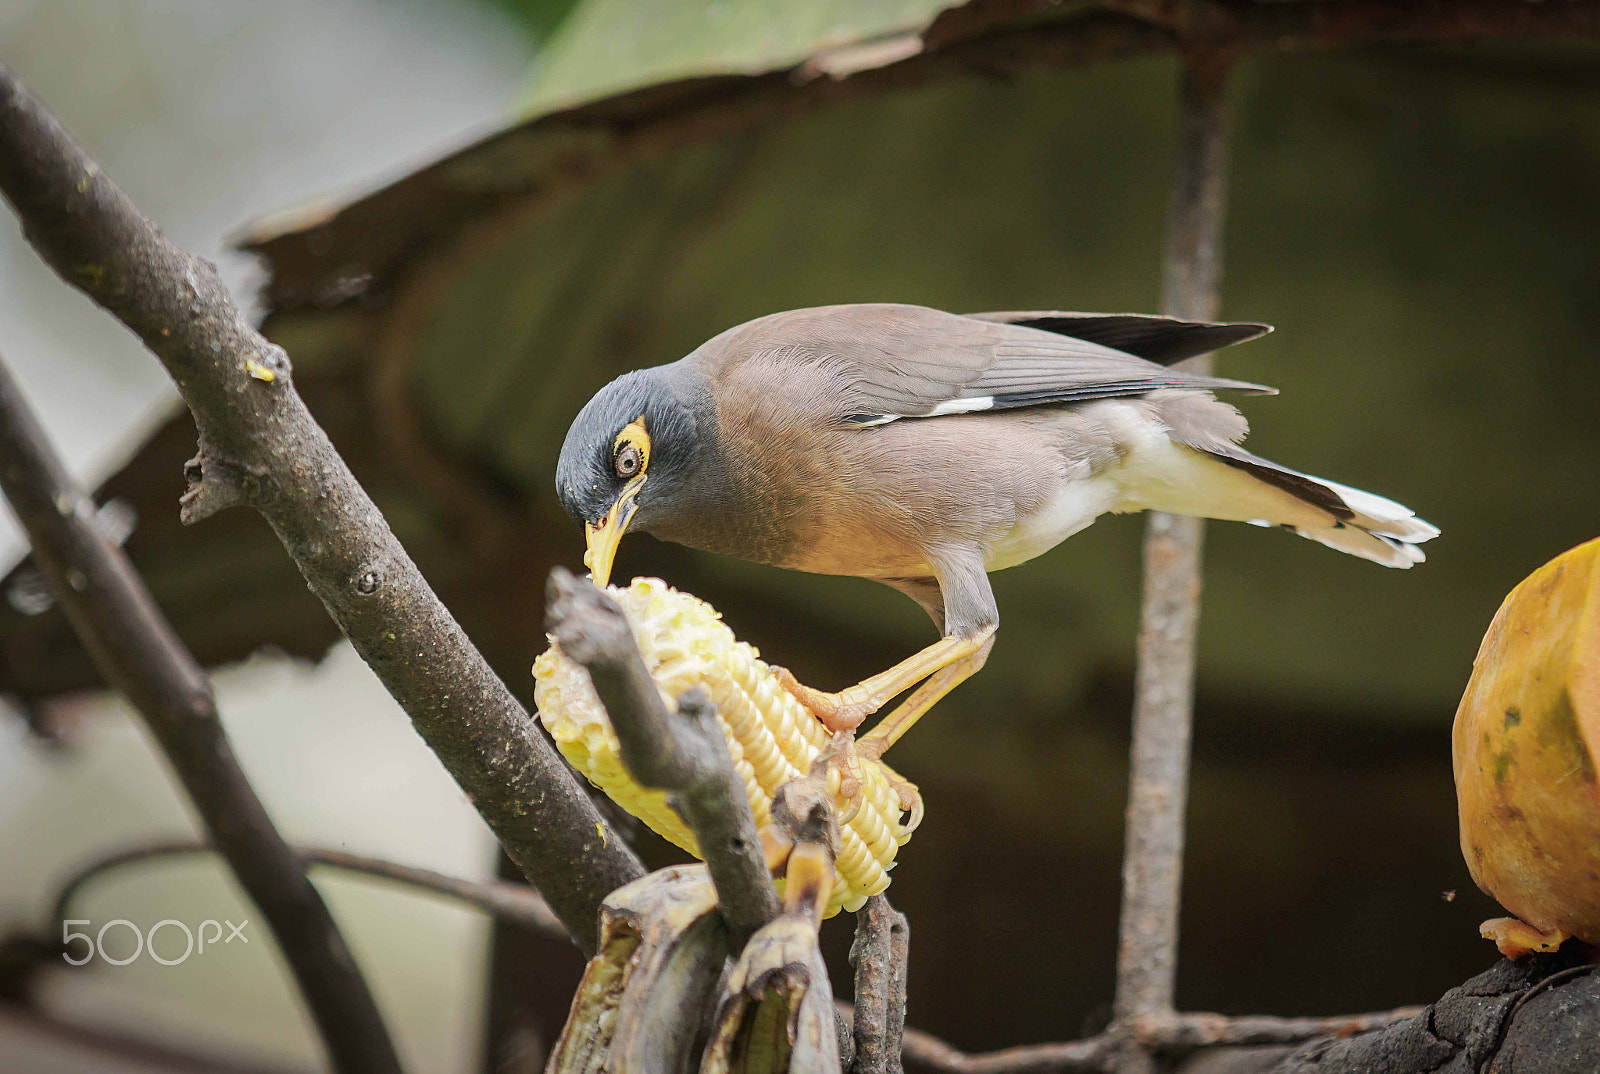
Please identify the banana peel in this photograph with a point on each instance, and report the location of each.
(776, 1014)
(1526, 749)
(777, 1011)
(640, 1007)
(650, 1001)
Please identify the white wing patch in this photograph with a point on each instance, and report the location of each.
(961, 406)
(970, 405)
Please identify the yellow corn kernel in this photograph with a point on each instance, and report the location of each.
(771, 736)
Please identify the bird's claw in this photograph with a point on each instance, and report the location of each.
(836, 713)
(910, 801)
(844, 751)
(839, 756)
(843, 755)
(871, 749)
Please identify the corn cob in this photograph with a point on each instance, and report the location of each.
(771, 736)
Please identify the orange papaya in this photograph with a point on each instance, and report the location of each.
(1526, 746)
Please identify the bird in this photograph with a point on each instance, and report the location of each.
(924, 449)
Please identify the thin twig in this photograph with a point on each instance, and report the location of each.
(260, 446)
(1164, 687)
(105, 1049)
(1201, 1030)
(138, 652)
(1177, 1033)
(1092, 1056)
(1173, 1033)
(683, 752)
(516, 903)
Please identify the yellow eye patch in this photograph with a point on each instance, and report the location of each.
(633, 435)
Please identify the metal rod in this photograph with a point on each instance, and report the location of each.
(1164, 688)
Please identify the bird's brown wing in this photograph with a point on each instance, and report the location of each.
(893, 361)
(1164, 340)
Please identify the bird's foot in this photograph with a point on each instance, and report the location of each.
(910, 799)
(837, 712)
(871, 749)
(844, 754)
(1516, 938)
(839, 756)
(842, 715)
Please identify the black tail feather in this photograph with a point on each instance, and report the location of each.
(1164, 340)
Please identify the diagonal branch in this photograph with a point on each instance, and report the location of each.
(137, 651)
(683, 752)
(260, 446)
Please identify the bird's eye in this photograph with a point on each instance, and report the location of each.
(630, 452)
(628, 460)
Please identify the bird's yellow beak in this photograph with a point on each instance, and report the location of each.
(604, 536)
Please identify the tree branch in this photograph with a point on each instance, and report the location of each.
(259, 445)
(515, 903)
(1092, 1056)
(101, 1049)
(1203, 1030)
(894, 1025)
(684, 753)
(138, 653)
(1147, 954)
(1534, 1016)
(878, 955)
(1179, 1033)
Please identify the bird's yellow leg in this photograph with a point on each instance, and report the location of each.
(845, 710)
(843, 752)
(912, 709)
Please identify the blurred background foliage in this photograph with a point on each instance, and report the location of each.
(1417, 223)
(607, 46)
(538, 18)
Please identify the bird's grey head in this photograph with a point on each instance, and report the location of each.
(628, 452)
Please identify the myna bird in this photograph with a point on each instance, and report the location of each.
(925, 449)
